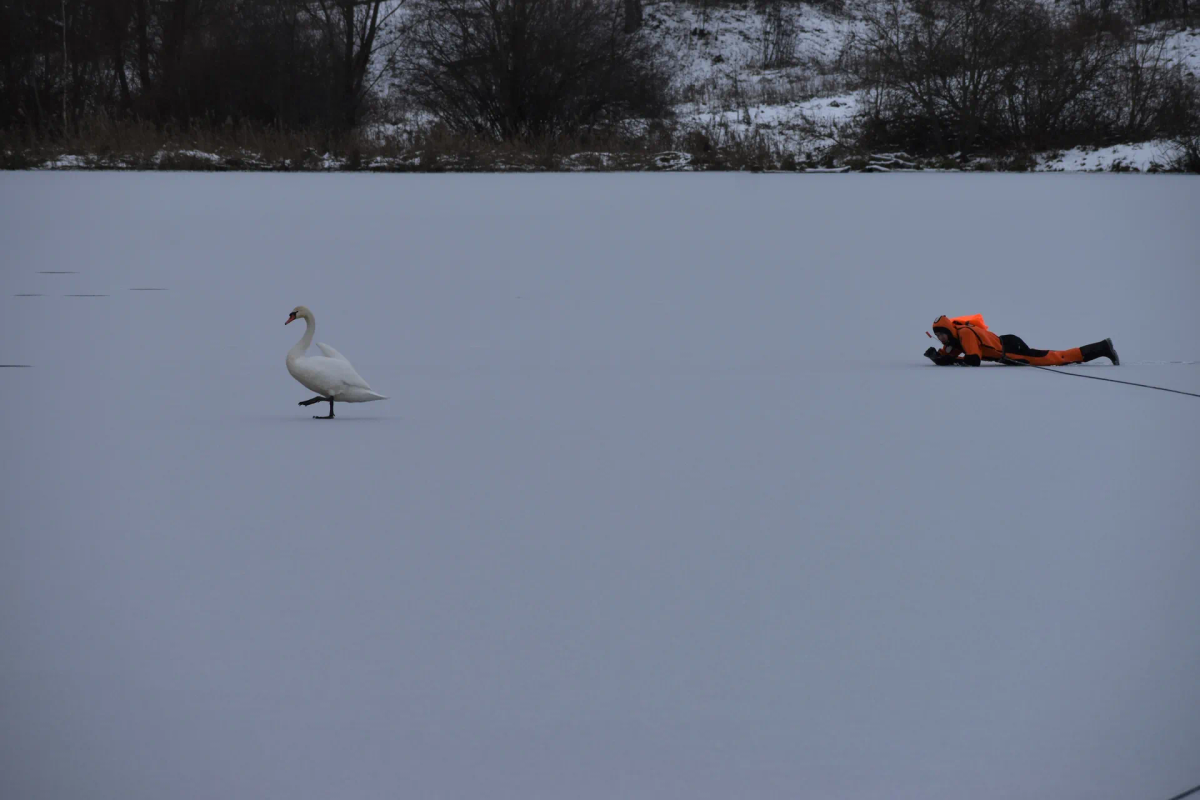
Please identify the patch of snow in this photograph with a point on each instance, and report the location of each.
(834, 109)
(580, 162)
(69, 162)
(200, 155)
(330, 162)
(1140, 157)
(673, 160)
(1183, 48)
(720, 52)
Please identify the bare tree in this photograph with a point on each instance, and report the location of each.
(778, 36)
(306, 63)
(530, 69)
(946, 75)
(352, 33)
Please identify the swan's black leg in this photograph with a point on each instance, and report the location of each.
(316, 399)
(330, 399)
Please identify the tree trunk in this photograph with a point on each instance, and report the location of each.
(172, 58)
(64, 67)
(346, 65)
(633, 15)
(143, 46)
(118, 24)
(37, 99)
(359, 28)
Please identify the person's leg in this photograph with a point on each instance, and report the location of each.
(1103, 349)
(1014, 344)
(1049, 358)
(1015, 349)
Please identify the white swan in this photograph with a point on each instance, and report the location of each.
(330, 375)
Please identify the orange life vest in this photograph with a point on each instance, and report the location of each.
(970, 319)
(971, 337)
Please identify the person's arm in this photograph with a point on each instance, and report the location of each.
(972, 354)
(945, 357)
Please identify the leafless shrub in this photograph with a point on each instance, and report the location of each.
(531, 69)
(967, 75)
(777, 89)
(1186, 157)
(778, 38)
(722, 146)
(1185, 146)
(1155, 10)
(1148, 96)
(293, 63)
(105, 142)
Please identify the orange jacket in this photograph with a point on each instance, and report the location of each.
(970, 338)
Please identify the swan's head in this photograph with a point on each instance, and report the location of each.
(299, 312)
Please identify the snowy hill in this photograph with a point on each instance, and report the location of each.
(800, 108)
(725, 98)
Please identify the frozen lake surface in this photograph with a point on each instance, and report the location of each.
(665, 502)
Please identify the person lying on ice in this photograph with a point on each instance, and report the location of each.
(970, 338)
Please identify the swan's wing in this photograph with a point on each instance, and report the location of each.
(328, 351)
(339, 372)
(329, 376)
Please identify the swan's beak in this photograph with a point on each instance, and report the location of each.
(291, 318)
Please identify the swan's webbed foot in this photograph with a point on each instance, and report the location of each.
(317, 399)
(330, 399)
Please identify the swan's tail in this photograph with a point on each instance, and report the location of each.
(357, 394)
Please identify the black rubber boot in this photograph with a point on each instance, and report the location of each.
(1112, 353)
(1105, 349)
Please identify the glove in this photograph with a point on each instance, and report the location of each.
(939, 359)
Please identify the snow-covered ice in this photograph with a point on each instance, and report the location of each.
(665, 502)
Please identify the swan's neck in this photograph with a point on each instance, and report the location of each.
(301, 347)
